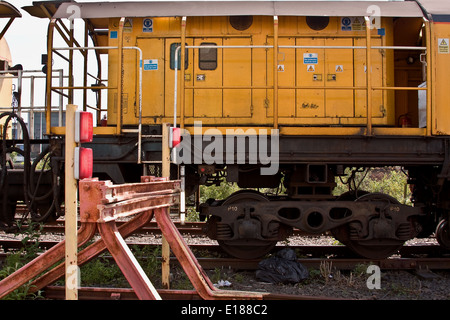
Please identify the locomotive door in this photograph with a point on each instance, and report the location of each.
(339, 73)
(310, 73)
(171, 45)
(378, 109)
(237, 72)
(325, 68)
(152, 77)
(286, 78)
(207, 79)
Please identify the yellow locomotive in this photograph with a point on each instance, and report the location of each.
(302, 89)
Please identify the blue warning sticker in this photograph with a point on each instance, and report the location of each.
(147, 25)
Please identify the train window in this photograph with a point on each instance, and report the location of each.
(317, 23)
(241, 23)
(207, 57)
(173, 48)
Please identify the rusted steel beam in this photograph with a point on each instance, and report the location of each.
(43, 262)
(190, 265)
(96, 293)
(108, 202)
(120, 192)
(127, 263)
(91, 251)
(133, 206)
(104, 201)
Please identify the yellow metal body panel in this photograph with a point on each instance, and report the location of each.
(441, 66)
(208, 102)
(214, 96)
(154, 87)
(237, 103)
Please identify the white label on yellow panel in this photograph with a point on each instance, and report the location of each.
(281, 68)
(151, 64)
(339, 68)
(311, 68)
(443, 44)
(310, 58)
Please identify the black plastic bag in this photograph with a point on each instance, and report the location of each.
(283, 267)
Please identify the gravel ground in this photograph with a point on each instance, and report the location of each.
(394, 285)
(332, 283)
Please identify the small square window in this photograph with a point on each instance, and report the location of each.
(207, 57)
(173, 48)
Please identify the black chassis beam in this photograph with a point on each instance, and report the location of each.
(362, 150)
(376, 151)
(346, 150)
(350, 150)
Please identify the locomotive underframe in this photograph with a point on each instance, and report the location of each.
(309, 166)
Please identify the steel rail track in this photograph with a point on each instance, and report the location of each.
(193, 228)
(409, 257)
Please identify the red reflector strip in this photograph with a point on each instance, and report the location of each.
(83, 163)
(84, 127)
(176, 137)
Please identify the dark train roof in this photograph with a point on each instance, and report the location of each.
(438, 10)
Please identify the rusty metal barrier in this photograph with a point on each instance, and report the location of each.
(101, 204)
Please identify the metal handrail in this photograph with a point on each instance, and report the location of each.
(21, 75)
(108, 87)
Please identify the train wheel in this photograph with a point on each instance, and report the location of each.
(443, 235)
(246, 248)
(380, 248)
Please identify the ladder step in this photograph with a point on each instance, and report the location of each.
(156, 161)
(151, 136)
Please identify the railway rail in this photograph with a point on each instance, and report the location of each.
(193, 228)
(410, 257)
